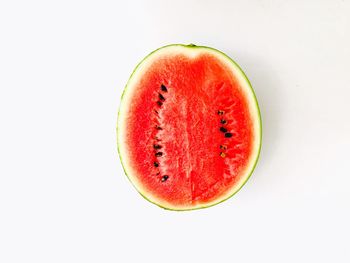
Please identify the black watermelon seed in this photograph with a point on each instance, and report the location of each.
(228, 135)
(164, 178)
(159, 103)
(157, 146)
(158, 127)
(222, 129)
(161, 97)
(222, 121)
(221, 112)
(159, 154)
(163, 88)
(223, 147)
(156, 164)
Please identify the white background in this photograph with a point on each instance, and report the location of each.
(63, 194)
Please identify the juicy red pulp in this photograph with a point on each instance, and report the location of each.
(189, 131)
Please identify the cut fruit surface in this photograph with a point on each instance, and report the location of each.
(189, 127)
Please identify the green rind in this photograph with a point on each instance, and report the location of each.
(259, 116)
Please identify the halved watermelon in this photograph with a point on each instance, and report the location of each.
(189, 127)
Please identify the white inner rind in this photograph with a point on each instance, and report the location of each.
(129, 91)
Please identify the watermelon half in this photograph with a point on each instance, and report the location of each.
(189, 127)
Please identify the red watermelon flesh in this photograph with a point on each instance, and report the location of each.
(189, 127)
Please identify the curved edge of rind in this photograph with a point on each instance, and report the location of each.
(260, 127)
